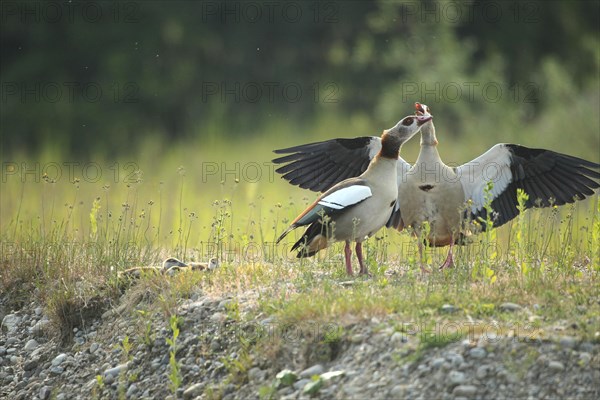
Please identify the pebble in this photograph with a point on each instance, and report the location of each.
(31, 345)
(38, 311)
(316, 369)
(438, 362)
(482, 372)
(556, 366)
(299, 385)
(467, 391)
(398, 392)
(193, 391)
(256, 375)
(456, 377)
(584, 359)
(45, 392)
(31, 364)
(116, 371)
(94, 347)
(10, 322)
(398, 337)
(131, 390)
(56, 370)
(477, 353)
(358, 338)
(218, 317)
(568, 342)
(59, 359)
(40, 327)
(455, 359)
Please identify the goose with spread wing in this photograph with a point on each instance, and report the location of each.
(432, 192)
(354, 209)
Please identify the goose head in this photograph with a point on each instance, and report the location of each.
(428, 136)
(407, 127)
(173, 262)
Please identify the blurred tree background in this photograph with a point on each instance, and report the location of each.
(87, 78)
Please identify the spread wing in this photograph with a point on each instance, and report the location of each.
(318, 166)
(548, 177)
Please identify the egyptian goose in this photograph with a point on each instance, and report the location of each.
(169, 267)
(356, 208)
(430, 191)
(178, 266)
(212, 264)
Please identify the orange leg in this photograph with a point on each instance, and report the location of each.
(359, 255)
(449, 263)
(348, 255)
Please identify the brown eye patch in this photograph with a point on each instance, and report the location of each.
(407, 121)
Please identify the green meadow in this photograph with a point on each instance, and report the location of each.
(68, 227)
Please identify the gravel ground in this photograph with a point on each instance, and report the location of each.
(368, 359)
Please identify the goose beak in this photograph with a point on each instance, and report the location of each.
(419, 108)
(422, 109)
(421, 119)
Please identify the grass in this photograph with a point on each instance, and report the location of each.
(63, 242)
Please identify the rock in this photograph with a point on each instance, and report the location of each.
(2, 351)
(438, 362)
(482, 372)
(31, 345)
(398, 392)
(358, 338)
(56, 370)
(256, 375)
(193, 391)
(456, 377)
(31, 364)
(40, 327)
(568, 342)
(116, 371)
(218, 317)
(59, 359)
(316, 369)
(45, 392)
(398, 337)
(455, 359)
(11, 322)
(38, 311)
(94, 347)
(477, 353)
(556, 366)
(584, 359)
(509, 307)
(467, 391)
(299, 385)
(131, 390)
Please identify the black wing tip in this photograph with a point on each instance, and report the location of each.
(530, 152)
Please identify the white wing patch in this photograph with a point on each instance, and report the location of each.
(493, 165)
(346, 197)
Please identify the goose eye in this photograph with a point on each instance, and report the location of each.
(407, 121)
